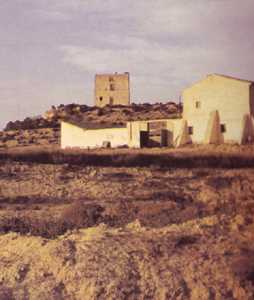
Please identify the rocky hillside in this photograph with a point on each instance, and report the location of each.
(110, 114)
(28, 137)
(44, 130)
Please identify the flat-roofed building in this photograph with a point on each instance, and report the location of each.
(84, 135)
(134, 134)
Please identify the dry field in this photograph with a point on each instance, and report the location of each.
(141, 224)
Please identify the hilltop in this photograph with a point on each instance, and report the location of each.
(45, 129)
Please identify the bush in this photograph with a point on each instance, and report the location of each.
(131, 158)
(243, 266)
(34, 226)
(80, 214)
(76, 216)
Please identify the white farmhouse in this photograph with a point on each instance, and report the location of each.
(218, 109)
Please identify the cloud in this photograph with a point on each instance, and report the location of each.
(51, 15)
(156, 70)
(176, 41)
(69, 8)
(58, 46)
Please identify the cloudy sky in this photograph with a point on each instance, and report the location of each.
(50, 50)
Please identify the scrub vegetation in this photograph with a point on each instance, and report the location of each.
(223, 156)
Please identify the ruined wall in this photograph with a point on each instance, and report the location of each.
(134, 129)
(230, 97)
(112, 89)
(73, 136)
(174, 128)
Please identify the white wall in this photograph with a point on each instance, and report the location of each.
(74, 136)
(134, 129)
(230, 97)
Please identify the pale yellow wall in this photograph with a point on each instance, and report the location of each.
(252, 99)
(230, 97)
(174, 126)
(74, 136)
(121, 94)
(134, 129)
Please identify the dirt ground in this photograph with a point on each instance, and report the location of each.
(125, 233)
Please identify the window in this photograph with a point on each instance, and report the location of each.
(101, 98)
(112, 87)
(197, 104)
(111, 78)
(222, 128)
(111, 100)
(190, 130)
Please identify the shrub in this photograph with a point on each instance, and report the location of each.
(34, 226)
(76, 216)
(131, 158)
(80, 214)
(243, 266)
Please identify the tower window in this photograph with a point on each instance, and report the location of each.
(112, 87)
(190, 130)
(197, 104)
(111, 100)
(222, 128)
(101, 98)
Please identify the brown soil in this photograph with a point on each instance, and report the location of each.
(85, 232)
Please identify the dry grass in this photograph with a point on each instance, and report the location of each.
(190, 157)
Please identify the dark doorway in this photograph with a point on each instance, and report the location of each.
(144, 138)
(164, 138)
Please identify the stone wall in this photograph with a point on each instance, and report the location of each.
(112, 89)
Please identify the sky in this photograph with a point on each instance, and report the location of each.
(50, 50)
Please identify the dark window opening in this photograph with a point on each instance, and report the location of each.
(222, 128)
(112, 87)
(101, 98)
(111, 100)
(197, 104)
(190, 130)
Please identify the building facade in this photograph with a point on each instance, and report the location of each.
(74, 135)
(112, 89)
(135, 134)
(219, 109)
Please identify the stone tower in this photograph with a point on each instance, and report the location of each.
(112, 89)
